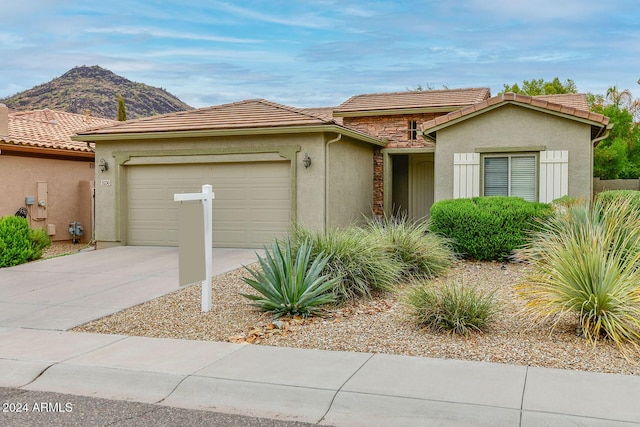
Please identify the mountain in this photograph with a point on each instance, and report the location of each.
(96, 89)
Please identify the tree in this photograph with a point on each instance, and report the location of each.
(122, 110)
(617, 156)
(541, 87)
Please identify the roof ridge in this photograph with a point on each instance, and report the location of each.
(422, 91)
(292, 109)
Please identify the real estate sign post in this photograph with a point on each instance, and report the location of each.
(195, 239)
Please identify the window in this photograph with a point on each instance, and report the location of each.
(412, 126)
(513, 175)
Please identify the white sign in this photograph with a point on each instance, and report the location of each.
(105, 182)
(206, 197)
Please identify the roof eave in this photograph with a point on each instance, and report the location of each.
(430, 133)
(230, 132)
(45, 151)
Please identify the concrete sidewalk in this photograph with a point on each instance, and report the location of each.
(314, 386)
(38, 300)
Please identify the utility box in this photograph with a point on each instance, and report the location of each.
(29, 200)
(41, 209)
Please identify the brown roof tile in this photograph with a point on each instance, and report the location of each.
(410, 100)
(323, 112)
(541, 102)
(50, 129)
(575, 100)
(253, 113)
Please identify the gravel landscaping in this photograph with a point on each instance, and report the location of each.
(378, 325)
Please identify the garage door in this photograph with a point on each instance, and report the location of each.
(251, 207)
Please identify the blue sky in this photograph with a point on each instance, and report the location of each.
(321, 52)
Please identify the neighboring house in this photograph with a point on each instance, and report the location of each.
(272, 165)
(46, 173)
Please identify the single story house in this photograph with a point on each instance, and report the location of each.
(271, 165)
(46, 175)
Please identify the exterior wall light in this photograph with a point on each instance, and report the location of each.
(306, 161)
(103, 165)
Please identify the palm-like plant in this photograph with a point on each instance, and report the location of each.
(586, 262)
(287, 284)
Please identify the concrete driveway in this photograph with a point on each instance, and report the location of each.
(64, 292)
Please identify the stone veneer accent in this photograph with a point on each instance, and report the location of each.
(394, 129)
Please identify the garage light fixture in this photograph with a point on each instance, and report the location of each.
(103, 165)
(306, 161)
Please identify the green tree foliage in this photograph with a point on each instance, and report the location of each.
(122, 110)
(541, 87)
(618, 156)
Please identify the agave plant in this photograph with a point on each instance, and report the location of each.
(586, 263)
(287, 284)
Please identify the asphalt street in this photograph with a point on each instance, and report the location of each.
(22, 408)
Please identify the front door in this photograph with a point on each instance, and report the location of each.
(420, 185)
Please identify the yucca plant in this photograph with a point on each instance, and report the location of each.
(586, 263)
(422, 254)
(359, 261)
(451, 307)
(287, 284)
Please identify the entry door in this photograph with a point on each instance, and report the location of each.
(421, 185)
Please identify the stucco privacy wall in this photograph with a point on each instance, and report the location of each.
(350, 189)
(515, 127)
(308, 202)
(68, 196)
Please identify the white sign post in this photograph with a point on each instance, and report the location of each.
(206, 197)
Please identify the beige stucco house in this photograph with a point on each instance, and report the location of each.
(271, 165)
(46, 173)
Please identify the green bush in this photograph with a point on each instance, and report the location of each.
(287, 284)
(487, 228)
(19, 243)
(40, 239)
(360, 261)
(423, 255)
(450, 307)
(612, 196)
(585, 263)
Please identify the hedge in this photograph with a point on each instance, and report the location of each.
(487, 228)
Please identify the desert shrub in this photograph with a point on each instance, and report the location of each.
(288, 284)
(423, 255)
(611, 196)
(40, 240)
(360, 261)
(586, 264)
(450, 307)
(19, 243)
(487, 228)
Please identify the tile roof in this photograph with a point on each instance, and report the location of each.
(412, 100)
(253, 113)
(49, 129)
(575, 100)
(535, 101)
(324, 112)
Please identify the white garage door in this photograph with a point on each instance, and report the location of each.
(251, 207)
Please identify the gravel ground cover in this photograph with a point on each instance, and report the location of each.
(378, 325)
(59, 248)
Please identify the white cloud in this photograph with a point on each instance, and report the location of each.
(145, 31)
